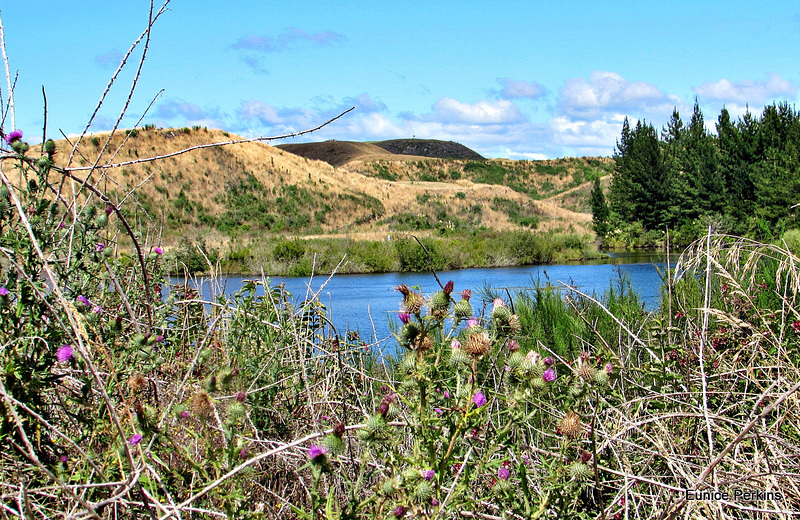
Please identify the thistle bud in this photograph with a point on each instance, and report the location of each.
(50, 148)
(333, 443)
(579, 471)
(236, 410)
(440, 301)
(20, 146)
(462, 309)
(601, 377)
(423, 492)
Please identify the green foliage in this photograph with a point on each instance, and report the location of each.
(485, 172)
(288, 250)
(600, 211)
(193, 256)
(413, 257)
(523, 215)
(744, 179)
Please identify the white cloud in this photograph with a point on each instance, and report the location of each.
(609, 92)
(599, 134)
(365, 103)
(513, 89)
(283, 120)
(449, 110)
(528, 156)
(373, 126)
(291, 37)
(172, 108)
(109, 60)
(747, 91)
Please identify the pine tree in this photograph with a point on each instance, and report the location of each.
(735, 167)
(700, 167)
(600, 211)
(640, 189)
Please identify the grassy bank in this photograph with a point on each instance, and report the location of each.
(398, 252)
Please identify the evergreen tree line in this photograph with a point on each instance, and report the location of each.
(743, 180)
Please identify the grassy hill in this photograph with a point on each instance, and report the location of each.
(231, 197)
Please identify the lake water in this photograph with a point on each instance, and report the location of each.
(365, 302)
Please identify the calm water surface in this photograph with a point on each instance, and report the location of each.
(365, 302)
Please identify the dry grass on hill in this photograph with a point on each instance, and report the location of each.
(179, 191)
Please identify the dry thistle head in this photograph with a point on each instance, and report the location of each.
(478, 344)
(585, 370)
(423, 344)
(514, 325)
(413, 302)
(202, 405)
(137, 383)
(571, 425)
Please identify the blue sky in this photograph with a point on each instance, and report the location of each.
(523, 80)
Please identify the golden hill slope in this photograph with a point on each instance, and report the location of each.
(252, 190)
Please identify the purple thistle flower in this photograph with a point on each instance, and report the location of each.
(479, 399)
(455, 344)
(503, 473)
(16, 135)
(99, 247)
(158, 251)
(498, 302)
(446, 394)
(434, 502)
(404, 317)
(549, 375)
(316, 451)
(438, 411)
(159, 339)
(97, 309)
(548, 361)
(472, 322)
(64, 353)
(399, 511)
(428, 474)
(62, 225)
(64, 459)
(184, 414)
(609, 368)
(3, 291)
(83, 300)
(135, 439)
(448, 287)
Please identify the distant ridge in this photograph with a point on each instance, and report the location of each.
(339, 153)
(429, 148)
